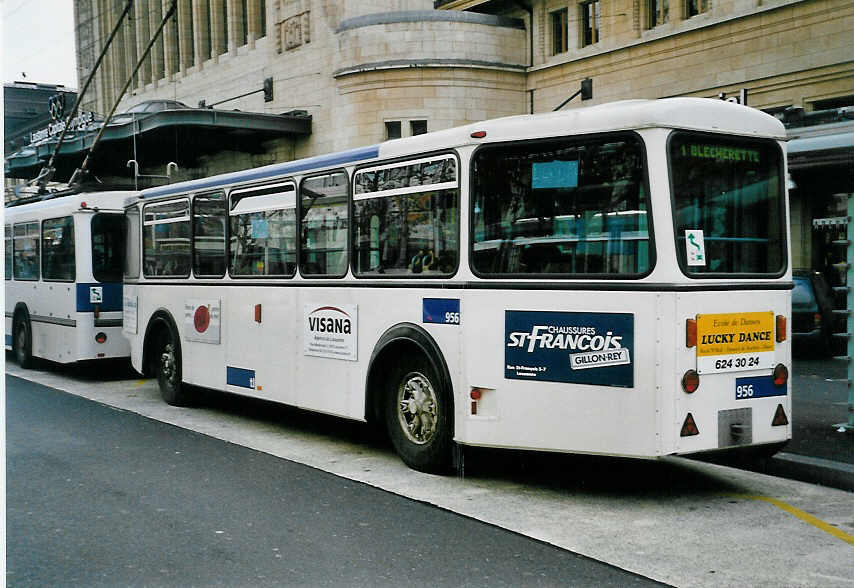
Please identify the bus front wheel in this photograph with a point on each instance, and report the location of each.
(168, 366)
(23, 343)
(417, 416)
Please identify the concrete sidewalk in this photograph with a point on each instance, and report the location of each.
(818, 452)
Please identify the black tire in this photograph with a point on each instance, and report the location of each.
(167, 366)
(23, 343)
(418, 415)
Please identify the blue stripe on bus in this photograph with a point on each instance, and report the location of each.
(111, 297)
(269, 171)
(8, 340)
(240, 377)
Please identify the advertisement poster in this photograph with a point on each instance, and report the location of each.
(575, 347)
(331, 331)
(202, 320)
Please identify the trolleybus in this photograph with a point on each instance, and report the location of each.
(63, 263)
(608, 280)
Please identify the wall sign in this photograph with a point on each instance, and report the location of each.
(575, 347)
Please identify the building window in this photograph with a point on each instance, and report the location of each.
(590, 17)
(559, 31)
(695, 7)
(418, 127)
(657, 13)
(393, 129)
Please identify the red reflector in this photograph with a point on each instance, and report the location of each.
(257, 313)
(101, 337)
(689, 427)
(478, 134)
(781, 375)
(780, 417)
(690, 381)
(781, 328)
(690, 333)
(476, 393)
(82, 205)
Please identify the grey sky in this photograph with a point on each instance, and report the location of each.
(38, 39)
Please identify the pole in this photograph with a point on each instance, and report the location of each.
(46, 174)
(849, 283)
(83, 167)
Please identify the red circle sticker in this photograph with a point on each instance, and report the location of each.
(202, 319)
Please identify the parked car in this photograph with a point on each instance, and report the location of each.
(813, 319)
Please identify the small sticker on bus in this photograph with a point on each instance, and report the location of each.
(442, 311)
(695, 247)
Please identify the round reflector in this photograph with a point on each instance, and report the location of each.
(101, 337)
(781, 375)
(690, 381)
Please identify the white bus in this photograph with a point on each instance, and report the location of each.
(64, 278)
(607, 280)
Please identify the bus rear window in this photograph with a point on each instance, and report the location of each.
(727, 205)
(574, 207)
(108, 246)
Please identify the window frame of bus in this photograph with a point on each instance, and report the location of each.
(170, 200)
(391, 163)
(38, 250)
(194, 234)
(73, 252)
(588, 137)
(683, 263)
(96, 272)
(251, 192)
(301, 219)
(133, 247)
(7, 253)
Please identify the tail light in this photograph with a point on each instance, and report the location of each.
(101, 337)
(781, 328)
(690, 381)
(780, 375)
(690, 333)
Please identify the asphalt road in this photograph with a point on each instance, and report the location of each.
(98, 496)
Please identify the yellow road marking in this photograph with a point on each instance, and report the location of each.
(804, 516)
(141, 383)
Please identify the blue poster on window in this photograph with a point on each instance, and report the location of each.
(576, 347)
(260, 229)
(554, 174)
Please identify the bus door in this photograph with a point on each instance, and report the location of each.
(260, 309)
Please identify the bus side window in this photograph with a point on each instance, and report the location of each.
(209, 235)
(131, 261)
(25, 251)
(166, 239)
(58, 249)
(406, 218)
(323, 225)
(7, 242)
(262, 231)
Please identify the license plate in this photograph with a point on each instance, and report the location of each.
(757, 387)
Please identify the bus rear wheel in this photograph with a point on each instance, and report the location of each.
(23, 343)
(168, 368)
(417, 416)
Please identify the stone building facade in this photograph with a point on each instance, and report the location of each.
(368, 70)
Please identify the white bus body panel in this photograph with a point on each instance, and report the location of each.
(59, 332)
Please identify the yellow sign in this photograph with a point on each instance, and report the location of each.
(730, 334)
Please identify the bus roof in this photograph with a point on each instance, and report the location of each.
(700, 114)
(67, 203)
